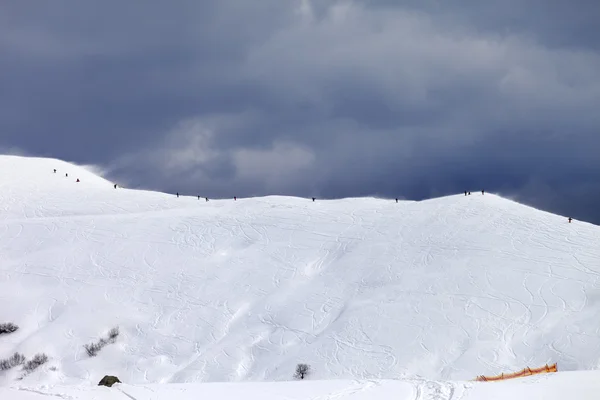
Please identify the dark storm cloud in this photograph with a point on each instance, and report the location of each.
(222, 98)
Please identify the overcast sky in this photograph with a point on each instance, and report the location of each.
(392, 98)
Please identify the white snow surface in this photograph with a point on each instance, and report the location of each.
(366, 291)
(583, 385)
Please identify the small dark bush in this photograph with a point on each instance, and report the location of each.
(8, 327)
(35, 362)
(92, 349)
(112, 334)
(11, 362)
(301, 371)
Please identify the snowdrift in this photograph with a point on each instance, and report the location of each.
(224, 291)
(560, 386)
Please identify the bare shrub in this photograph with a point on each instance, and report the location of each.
(12, 361)
(35, 362)
(8, 327)
(92, 349)
(301, 371)
(113, 334)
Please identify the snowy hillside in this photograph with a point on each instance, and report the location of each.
(244, 290)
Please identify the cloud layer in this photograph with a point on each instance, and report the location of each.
(329, 98)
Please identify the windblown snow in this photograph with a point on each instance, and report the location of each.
(225, 291)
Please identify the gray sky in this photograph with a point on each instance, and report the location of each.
(409, 99)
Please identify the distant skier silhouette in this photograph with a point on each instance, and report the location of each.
(396, 200)
(66, 175)
(483, 192)
(570, 219)
(465, 192)
(206, 198)
(77, 180)
(115, 185)
(234, 198)
(54, 170)
(313, 199)
(178, 194)
(198, 197)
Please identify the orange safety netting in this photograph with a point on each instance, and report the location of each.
(524, 372)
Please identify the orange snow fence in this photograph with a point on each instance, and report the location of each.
(524, 372)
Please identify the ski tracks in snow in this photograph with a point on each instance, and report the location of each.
(360, 288)
(421, 390)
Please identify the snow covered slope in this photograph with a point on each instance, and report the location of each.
(448, 288)
(561, 386)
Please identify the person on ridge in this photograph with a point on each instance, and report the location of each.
(483, 192)
(54, 170)
(396, 200)
(178, 194)
(570, 219)
(313, 199)
(465, 192)
(206, 198)
(234, 198)
(115, 185)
